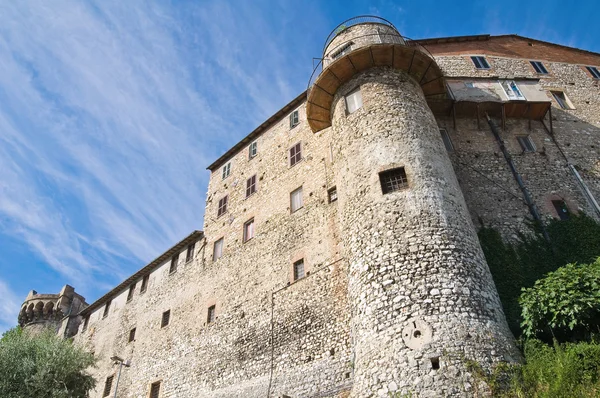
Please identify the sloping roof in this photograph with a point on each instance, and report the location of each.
(194, 236)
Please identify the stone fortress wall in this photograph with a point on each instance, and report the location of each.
(376, 267)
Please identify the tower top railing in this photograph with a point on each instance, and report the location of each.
(362, 19)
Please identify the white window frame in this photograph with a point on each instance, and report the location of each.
(512, 90)
(298, 203)
(354, 100)
(526, 143)
(226, 170)
(252, 150)
(218, 249)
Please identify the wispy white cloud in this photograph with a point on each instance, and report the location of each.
(9, 307)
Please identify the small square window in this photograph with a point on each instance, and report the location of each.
(447, 140)
(526, 143)
(296, 200)
(332, 194)
(131, 335)
(106, 309)
(354, 101)
(593, 71)
(562, 100)
(218, 249)
(299, 269)
(252, 150)
(166, 316)
(210, 318)
(130, 292)
(539, 67)
(561, 209)
(174, 263)
(512, 90)
(294, 119)
(107, 386)
(222, 209)
(155, 389)
(190, 252)
(480, 62)
(249, 230)
(226, 170)
(295, 154)
(144, 283)
(393, 180)
(251, 185)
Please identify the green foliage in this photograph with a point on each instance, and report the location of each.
(564, 304)
(513, 267)
(43, 366)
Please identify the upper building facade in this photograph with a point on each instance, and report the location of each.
(339, 253)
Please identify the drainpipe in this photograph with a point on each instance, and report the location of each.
(532, 208)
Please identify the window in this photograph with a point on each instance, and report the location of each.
(512, 91)
(131, 291)
(296, 199)
(210, 318)
(252, 150)
(222, 206)
(480, 62)
(86, 321)
(249, 230)
(165, 318)
(561, 99)
(132, 335)
(539, 67)
(526, 143)
(593, 71)
(446, 139)
(226, 170)
(251, 185)
(295, 154)
(294, 119)
(299, 269)
(106, 308)
(332, 194)
(144, 283)
(190, 252)
(354, 101)
(174, 261)
(469, 85)
(155, 389)
(218, 249)
(393, 180)
(561, 209)
(345, 49)
(107, 386)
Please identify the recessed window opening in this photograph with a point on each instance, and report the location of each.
(469, 85)
(526, 143)
(226, 170)
(435, 363)
(539, 67)
(562, 100)
(174, 263)
(294, 119)
(393, 180)
(512, 90)
(345, 49)
(106, 309)
(144, 283)
(190, 252)
(155, 389)
(593, 71)
(130, 292)
(166, 316)
(249, 230)
(332, 194)
(447, 140)
(131, 335)
(299, 269)
(295, 154)
(218, 249)
(86, 321)
(210, 317)
(252, 150)
(222, 209)
(354, 101)
(561, 209)
(296, 200)
(107, 386)
(251, 185)
(480, 62)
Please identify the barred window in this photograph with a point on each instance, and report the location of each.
(222, 206)
(210, 318)
(295, 154)
(108, 386)
(332, 194)
(251, 185)
(166, 316)
(155, 389)
(393, 180)
(299, 269)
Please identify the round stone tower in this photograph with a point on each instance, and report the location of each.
(423, 299)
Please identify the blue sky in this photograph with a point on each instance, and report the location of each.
(110, 112)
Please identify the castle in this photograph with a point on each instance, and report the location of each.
(339, 255)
